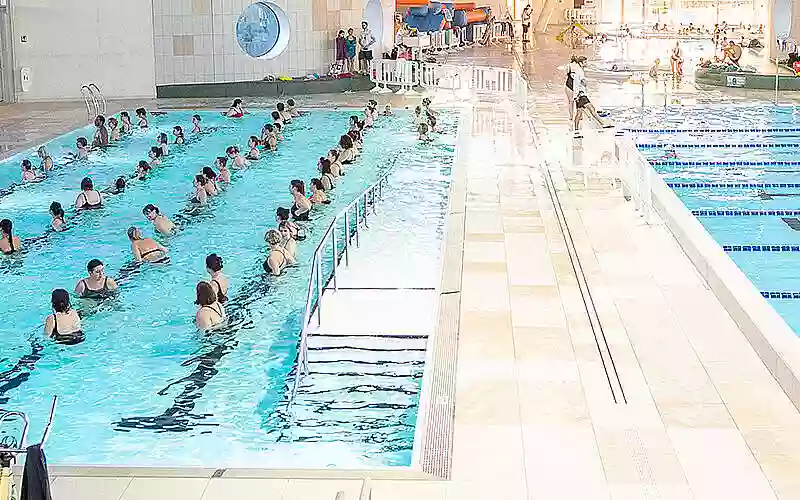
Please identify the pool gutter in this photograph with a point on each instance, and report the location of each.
(767, 332)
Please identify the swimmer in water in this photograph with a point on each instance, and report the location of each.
(142, 169)
(291, 107)
(97, 285)
(387, 111)
(28, 173)
(155, 156)
(289, 239)
(669, 155)
(113, 129)
(278, 130)
(100, 139)
(253, 143)
(422, 130)
(236, 158)
(278, 258)
(64, 325)
(57, 217)
(82, 148)
(126, 126)
(218, 281)
(47, 160)
(222, 165)
(348, 151)
(161, 222)
(301, 206)
(8, 242)
(119, 185)
(196, 124)
(211, 313)
(236, 110)
(277, 118)
(141, 114)
(200, 194)
(88, 198)
(282, 217)
(146, 249)
(163, 143)
(285, 116)
(177, 131)
(268, 137)
(327, 179)
(211, 181)
(318, 192)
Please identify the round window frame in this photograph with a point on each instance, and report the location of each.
(284, 30)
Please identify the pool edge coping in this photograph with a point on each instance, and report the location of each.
(770, 336)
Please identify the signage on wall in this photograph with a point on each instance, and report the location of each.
(735, 81)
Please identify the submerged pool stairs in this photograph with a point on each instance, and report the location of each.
(366, 358)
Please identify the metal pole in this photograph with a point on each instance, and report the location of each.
(665, 95)
(358, 243)
(319, 289)
(335, 258)
(346, 238)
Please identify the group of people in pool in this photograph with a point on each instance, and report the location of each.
(283, 240)
(64, 326)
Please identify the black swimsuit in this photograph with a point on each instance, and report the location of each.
(569, 81)
(297, 216)
(71, 338)
(90, 206)
(101, 293)
(221, 297)
(162, 260)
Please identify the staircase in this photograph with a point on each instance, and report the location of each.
(366, 358)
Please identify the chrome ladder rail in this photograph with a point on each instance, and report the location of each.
(99, 97)
(91, 107)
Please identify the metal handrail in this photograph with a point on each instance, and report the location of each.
(86, 92)
(21, 444)
(98, 95)
(315, 280)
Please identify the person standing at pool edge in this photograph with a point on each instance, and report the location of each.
(367, 40)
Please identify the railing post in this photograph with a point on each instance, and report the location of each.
(366, 210)
(346, 237)
(358, 243)
(335, 257)
(319, 288)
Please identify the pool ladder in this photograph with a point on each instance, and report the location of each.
(94, 99)
(11, 447)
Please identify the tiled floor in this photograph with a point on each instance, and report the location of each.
(534, 416)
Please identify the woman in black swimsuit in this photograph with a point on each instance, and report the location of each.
(282, 215)
(70, 332)
(301, 206)
(97, 285)
(278, 257)
(88, 199)
(8, 242)
(211, 313)
(218, 281)
(568, 85)
(146, 249)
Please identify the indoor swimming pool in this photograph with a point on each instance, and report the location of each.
(146, 388)
(736, 167)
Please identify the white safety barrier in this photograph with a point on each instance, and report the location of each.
(478, 79)
(637, 177)
(478, 32)
(400, 73)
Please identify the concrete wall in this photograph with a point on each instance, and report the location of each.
(72, 42)
(195, 40)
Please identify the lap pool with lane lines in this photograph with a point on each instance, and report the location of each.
(742, 182)
(146, 388)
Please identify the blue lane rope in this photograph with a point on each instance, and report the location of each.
(735, 185)
(761, 248)
(781, 295)
(711, 130)
(781, 163)
(740, 213)
(723, 145)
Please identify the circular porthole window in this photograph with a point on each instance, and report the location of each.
(263, 30)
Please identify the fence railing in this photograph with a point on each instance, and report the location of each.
(637, 175)
(408, 75)
(334, 246)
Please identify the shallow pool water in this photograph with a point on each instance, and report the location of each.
(736, 178)
(146, 388)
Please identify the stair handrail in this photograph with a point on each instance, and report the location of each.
(315, 279)
(98, 96)
(91, 108)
